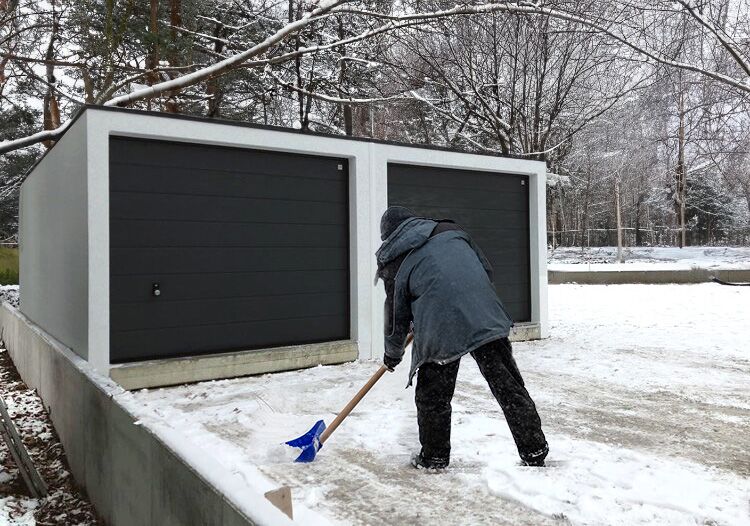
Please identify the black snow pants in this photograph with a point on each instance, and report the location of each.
(434, 391)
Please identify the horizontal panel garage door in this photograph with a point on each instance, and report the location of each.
(248, 249)
(493, 208)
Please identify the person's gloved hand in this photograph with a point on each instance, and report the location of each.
(390, 363)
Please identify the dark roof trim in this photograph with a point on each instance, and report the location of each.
(242, 124)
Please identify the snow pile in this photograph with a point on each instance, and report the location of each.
(648, 258)
(9, 293)
(17, 510)
(642, 390)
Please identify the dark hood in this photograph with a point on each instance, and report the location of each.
(410, 234)
(392, 218)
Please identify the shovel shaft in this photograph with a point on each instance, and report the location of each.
(352, 404)
(357, 398)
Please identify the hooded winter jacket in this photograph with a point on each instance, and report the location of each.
(443, 287)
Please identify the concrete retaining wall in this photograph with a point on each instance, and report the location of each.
(613, 277)
(133, 475)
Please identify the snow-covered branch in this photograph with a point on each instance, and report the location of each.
(269, 52)
(46, 135)
(719, 34)
(323, 7)
(529, 8)
(335, 100)
(223, 66)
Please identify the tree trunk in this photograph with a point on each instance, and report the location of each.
(51, 107)
(298, 67)
(348, 120)
(152, 59)
(175, 20)
(564, 227)
(213, 88)
(638, 232)
(3, 76)
(585, 219)
(553, 221)
(346, 109)
(680, 172)
(618, 217)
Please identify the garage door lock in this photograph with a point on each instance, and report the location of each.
(155, 290)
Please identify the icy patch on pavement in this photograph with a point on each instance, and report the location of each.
(591, 484)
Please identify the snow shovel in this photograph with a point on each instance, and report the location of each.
(312, 441)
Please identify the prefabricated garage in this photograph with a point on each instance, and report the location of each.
(167, 249)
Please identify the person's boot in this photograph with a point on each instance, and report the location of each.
(419, 461)
(536, 458)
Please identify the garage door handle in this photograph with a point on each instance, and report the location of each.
(155, 290)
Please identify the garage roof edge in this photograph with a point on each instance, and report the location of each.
(256, 126)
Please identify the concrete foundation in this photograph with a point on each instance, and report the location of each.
(229, 365)
(525, 331)
(174, 371)
(134, 475)
(613, 277)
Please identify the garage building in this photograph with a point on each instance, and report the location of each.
(165, 249)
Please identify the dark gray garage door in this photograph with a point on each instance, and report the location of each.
(493, 208)
(248, 249)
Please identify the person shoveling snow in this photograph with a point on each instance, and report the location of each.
(439, 286)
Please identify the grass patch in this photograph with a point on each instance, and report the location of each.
(8, 266)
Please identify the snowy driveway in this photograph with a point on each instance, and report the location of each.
(644, 392)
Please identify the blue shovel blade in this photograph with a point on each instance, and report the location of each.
(309, 443)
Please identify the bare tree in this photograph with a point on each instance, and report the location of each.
(519, 85)
(630, 25)
(545, 80)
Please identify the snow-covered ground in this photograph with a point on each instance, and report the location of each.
(644, 392)
(648, 258)
(9, 293)
(64, 503)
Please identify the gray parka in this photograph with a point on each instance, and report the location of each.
(443, 288)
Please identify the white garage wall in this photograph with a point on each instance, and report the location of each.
(53, 241)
